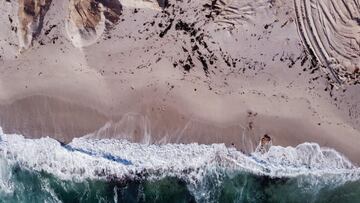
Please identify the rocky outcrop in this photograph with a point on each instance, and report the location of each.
(85, 14)
(112, 10)
(86, 22)
(163, 3)
(31, 16)
(264, 145)
(88, 19)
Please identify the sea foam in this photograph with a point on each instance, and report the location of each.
(122, 160)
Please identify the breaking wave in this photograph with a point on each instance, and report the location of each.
(116, 170)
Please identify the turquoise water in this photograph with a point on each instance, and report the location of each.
(30, 186)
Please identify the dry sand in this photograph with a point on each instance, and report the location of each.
(228, 72)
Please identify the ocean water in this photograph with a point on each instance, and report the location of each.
(92, 170)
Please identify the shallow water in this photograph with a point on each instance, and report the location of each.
(89, 170)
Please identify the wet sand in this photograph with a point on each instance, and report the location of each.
(160, 122)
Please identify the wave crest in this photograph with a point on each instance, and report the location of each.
(111, 159)
(89, 158)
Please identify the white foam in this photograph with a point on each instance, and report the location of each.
(5, 174)
(107, 158)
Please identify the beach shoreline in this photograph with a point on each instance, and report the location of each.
(161, 123)
(176, 76)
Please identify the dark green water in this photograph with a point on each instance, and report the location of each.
(32, 186)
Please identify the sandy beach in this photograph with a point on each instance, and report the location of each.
(179, 76)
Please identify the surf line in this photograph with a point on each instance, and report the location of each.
(107, 156)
